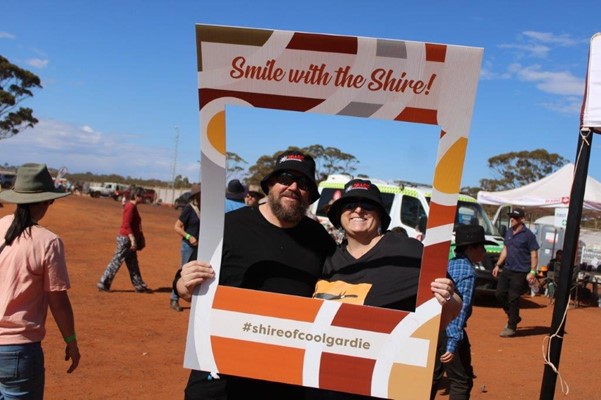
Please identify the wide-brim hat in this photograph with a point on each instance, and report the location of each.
(297, 161)
(466, 235)
(32, 185)
(235, 190)
(359, 189)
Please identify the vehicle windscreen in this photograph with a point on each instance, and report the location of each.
(473, 214)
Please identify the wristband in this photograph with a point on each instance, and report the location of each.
(70, 339)
(533, 272)
(187, 236)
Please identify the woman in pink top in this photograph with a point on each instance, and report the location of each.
(33, 278)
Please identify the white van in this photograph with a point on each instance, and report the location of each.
(408, 206)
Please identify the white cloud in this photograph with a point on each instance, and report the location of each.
(487, 72)
(568, 105)
(546, 37)
(81, 149)
(6, 35)
(560, 82)
(530, 49)
(37, 63)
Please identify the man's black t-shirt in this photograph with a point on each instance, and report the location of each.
(259, 255)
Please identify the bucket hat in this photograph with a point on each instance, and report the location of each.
(235, 190)
(359, 189)
(470, 234)
(32, 185)
(297, 161)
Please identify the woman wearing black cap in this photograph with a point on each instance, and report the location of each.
(372, 266)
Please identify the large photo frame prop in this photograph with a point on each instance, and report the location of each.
(314, 342)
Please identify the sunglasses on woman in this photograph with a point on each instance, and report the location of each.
(365, 205)
(287, 179)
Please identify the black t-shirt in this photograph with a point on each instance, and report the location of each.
(191, 221)
(259, 255)
(386, 276)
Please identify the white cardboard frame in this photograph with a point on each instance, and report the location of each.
(345, 75)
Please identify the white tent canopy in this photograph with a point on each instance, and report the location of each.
(552, 191)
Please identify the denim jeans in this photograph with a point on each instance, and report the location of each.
(187, 253)
(22, 371)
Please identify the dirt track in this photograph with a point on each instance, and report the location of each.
(133, 344)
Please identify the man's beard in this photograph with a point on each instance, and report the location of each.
(292, 214)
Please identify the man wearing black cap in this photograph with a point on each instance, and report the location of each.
(520, 255)
(274, 247)
(454, 351)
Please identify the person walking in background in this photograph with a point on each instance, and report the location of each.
(453, 354)
(520, 255)
(33, 278)
(129, 241)
(234, 195)
(188, 226)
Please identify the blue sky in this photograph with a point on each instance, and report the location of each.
(120, 82)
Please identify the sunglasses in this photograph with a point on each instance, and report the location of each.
(288, 179)
(365, 205)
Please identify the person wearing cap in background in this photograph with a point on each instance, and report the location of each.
(520, 258)
(188, 226)
(274, 247)
(453, 354)
(234, 195)
(374, 266)
(33, 278)
(253, 196)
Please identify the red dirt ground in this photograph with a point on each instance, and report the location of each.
(132, 344)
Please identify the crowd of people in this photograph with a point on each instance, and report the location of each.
(369, 265)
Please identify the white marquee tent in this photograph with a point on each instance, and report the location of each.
(552, 191)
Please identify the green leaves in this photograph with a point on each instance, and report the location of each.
(516, 169)
(15, 85)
